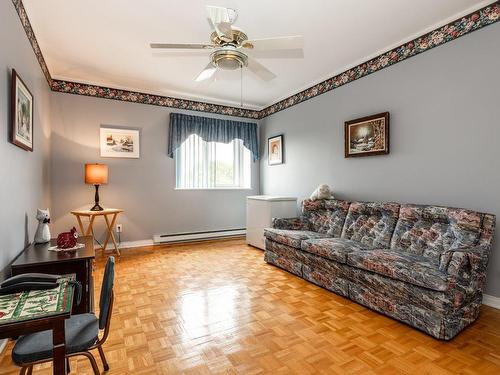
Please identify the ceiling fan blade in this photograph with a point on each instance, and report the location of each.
(221, 14)
(169, 53)
(206, 73)
(221, 20)
(285, 42)
(260, 70)
(209, 81)
(182, 46)
(276, 53)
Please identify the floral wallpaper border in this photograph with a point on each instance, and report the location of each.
(453, 30)
(23, 16)
(143, 98)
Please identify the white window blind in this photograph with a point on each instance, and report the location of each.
(212, 165)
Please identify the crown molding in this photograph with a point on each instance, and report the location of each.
(462, 26)
(451, 31)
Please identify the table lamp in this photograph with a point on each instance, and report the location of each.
(96, 174)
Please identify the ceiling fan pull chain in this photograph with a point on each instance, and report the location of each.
(241, 86)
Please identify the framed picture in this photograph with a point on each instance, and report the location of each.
(275, 150)
(119, 142)
(367, 136)
(21, 132)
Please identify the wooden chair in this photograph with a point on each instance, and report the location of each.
(82, 333)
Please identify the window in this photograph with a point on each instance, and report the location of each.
(212, 165)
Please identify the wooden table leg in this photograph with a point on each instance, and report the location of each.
(113, 234)
(82, 230)
(90, 228)
(58, 339)
(110, 232)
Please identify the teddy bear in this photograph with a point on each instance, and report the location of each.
(323, 191)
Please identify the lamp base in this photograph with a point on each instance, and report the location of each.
(96, 207)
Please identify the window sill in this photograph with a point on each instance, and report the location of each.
(208, 189)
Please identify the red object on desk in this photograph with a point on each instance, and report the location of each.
(67, 240)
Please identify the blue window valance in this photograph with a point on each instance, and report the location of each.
(211, 130)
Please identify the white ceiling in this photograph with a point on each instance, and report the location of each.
(106, 42)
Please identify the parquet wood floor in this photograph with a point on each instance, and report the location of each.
(214, 308)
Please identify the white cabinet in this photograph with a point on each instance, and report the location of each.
(260, 211)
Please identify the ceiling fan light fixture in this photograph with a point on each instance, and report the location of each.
(229, 59)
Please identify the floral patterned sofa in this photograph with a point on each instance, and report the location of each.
(423, 265)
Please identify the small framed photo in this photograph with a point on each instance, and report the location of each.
(21, 132)
(367, 136)
(275, 150)
(119, 142)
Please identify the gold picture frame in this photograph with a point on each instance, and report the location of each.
(367, 136)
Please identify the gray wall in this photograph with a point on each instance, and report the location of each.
(144, 187)
(445, 133)
(24, 175)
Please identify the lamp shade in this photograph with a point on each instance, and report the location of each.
(96, 174)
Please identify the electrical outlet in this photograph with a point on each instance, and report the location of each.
(119, 228)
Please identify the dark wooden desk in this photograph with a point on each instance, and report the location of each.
(38, 258)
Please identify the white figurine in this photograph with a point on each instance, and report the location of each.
(42, 234)
(322, 192)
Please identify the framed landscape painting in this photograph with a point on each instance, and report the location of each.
(275, 150)
(21, 132)
(367, 136)
(119, 142)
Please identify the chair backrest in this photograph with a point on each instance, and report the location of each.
(106, 299)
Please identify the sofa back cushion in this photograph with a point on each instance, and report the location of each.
(371, 223)
(431, 230)
(325, 215)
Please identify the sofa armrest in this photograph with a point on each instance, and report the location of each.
(294, 223)
(465, 263)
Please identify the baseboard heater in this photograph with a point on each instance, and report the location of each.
(198, 236)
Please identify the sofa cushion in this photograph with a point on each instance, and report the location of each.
(429, 231)
(291, 238)
(331, 248)
(371, 224)
(412, 269)
(326, 215)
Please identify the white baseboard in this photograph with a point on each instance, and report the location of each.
(130, 244)
(126, 244)
(3, 344)
(491, 301)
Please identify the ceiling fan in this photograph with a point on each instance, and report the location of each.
(230, 46)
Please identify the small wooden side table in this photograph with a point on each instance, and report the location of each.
(110, 223)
